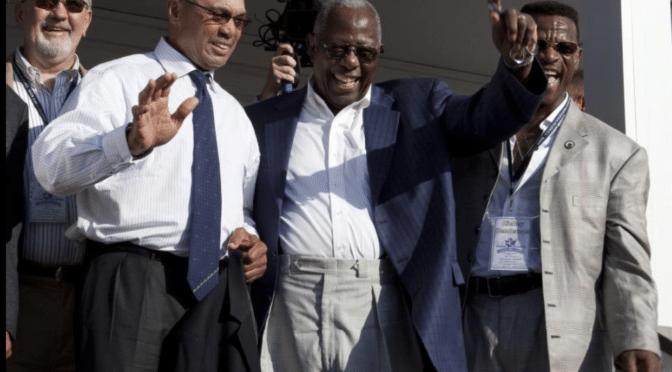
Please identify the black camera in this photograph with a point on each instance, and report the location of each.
(292, 26)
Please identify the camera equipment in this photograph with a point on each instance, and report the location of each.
(292, 26)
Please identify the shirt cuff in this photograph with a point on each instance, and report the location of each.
(115, 147)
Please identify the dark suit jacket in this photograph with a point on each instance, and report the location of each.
(16, 130)
(218, 333)
(412, 128)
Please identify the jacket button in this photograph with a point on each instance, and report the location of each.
(470, 257)
(478, 230)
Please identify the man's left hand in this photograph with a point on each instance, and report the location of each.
(254, 253)
(512, 31)
(639, 361)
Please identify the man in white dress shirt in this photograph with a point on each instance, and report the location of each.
(130, 162)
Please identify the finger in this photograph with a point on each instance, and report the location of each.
(285, 73)
(238, 238)
(168, 80)
(253, 274)
(285, 60)
(629, 362)
(495, 7)
(284, 49)
(511, 22)
(158, 89)
(530, 38)
(147, 92)
(184, 110)
(138, 110)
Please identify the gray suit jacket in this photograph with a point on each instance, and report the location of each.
(600, 298)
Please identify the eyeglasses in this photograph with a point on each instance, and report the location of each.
(566, 48)
(365, 54)
(72, 6)
(223, 17)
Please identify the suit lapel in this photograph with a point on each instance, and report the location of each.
(380, 130)
(279, 135)
(571, 139)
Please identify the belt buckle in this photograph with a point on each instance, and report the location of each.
(489, 286)
(59, 274)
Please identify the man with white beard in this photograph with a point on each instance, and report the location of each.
(43, 72)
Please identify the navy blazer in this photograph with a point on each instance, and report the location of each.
(412, 128)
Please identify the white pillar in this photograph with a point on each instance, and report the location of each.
(628, 64)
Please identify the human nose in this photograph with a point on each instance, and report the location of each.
(547, 52)
(59, 10)
(228, 28)
(350, 58)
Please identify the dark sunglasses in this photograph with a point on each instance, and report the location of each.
(72, 6)
(364, 54)
(566, 48)
(223, 17)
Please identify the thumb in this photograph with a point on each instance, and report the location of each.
(185, 109)
(495, 11)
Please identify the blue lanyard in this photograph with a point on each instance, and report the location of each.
(31, 93)
(526, 159)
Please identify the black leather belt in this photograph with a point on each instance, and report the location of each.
(505, 285)
(94, 249)
(59, 273)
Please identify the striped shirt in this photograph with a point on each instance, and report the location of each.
(47, 216)
(144, 201)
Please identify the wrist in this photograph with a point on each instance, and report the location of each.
(137, 153)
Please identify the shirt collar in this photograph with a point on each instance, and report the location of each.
(174, 61)
(319, 108)
(34, 75)
(551, 117)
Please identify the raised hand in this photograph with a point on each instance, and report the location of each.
(282, 68)
(153, 124)
(512, 32)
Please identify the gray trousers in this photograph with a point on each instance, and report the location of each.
(506, 333)
(339, 315)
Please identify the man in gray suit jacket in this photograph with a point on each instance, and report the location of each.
(552, 231)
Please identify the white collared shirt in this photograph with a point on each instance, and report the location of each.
(46, 217)
(144, 201)
(523, 203)
(327, 209)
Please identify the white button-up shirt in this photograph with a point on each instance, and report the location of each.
(327, 210)
(144, 201)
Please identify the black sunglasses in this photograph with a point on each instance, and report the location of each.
(364, 54)
(72, 6)
(566, 48)
(223, 17)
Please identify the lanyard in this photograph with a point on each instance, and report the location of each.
(32, 95)
(515, 176)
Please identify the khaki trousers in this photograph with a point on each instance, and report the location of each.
(339, 315)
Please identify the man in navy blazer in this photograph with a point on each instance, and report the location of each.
(410, 129)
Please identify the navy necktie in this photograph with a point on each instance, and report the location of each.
(206, 199)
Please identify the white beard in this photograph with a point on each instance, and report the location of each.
(54, 47)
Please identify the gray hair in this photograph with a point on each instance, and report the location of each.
(329, 5)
